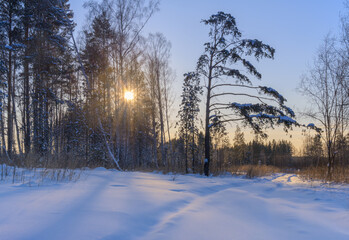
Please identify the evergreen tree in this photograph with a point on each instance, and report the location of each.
(188, 114)
(224, 54)
(313, 149)
(239, 146)
(95, 57)
(49, 42)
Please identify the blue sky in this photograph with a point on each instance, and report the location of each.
(294, 28)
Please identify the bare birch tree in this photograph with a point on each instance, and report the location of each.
(323, 86)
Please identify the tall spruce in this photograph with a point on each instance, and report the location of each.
(239, 146)
(95, 57)
(49, 41)
(188, 116)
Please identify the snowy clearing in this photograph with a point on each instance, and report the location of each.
(106, 204)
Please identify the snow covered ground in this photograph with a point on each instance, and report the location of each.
(106, 204)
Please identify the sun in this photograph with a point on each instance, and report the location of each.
(129, 95)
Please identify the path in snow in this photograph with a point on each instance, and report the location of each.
(121, 205)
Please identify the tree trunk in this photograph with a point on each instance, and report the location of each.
(9, 95)
(186, 151)
(207, 122)
(14, 113)
(193, 151)
(26, 97)
(168, 126)
(161, 115)
(3, 145)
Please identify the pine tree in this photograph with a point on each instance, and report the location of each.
(313, 149)
(239, 146)
(49, 42)
(224, 54)
(95, 56)
(188, 114)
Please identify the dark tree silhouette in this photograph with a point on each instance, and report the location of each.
(225, 57)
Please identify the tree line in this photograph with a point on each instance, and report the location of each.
(105, 99)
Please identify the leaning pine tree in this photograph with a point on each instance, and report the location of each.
(227, 72)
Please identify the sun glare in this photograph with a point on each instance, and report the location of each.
(129, 95)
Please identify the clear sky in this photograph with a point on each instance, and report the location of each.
(295, 28)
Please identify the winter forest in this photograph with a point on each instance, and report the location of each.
(105, 98)
(120, 143)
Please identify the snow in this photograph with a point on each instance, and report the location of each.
(106, 204)
(253, 42)
(241, 106)
(262, 115)
(8, 47)
(290, 111)
(273, 92)
(286, 119)
(281, 118)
